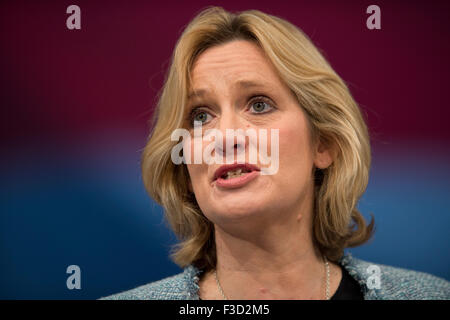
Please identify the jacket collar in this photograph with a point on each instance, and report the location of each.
(358, 269)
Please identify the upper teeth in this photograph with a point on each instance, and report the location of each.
(235, 173)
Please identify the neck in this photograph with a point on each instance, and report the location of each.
(279, 263)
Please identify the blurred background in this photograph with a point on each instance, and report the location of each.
(75, 108)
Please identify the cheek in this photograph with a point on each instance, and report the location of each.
(197, 174)
(294, 152)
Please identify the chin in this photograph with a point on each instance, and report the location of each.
(237, 210)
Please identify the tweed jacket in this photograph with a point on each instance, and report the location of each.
(377, 282)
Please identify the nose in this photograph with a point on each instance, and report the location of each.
(233, 142)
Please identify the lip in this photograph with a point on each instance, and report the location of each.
(238, 181)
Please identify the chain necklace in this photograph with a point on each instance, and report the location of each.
(327, 283)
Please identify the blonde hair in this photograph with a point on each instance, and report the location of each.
(333, 115)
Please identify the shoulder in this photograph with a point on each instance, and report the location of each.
(183, 286)
(384, 282)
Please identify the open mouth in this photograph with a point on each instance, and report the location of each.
(235, 175)
(232, 171)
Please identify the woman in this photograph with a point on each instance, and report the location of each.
(246, 234)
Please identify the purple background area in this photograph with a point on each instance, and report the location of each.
(75, 111)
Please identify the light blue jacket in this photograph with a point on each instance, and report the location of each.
(392, 284)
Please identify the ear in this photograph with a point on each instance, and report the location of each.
(323, 156)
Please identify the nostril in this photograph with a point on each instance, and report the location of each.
(239, 146)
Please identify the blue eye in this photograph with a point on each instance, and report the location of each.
(260, 106)
(200, 116)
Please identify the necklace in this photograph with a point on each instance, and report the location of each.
(327, 282)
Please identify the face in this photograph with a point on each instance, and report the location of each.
(234, 86)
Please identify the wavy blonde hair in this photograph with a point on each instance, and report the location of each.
(333, 116)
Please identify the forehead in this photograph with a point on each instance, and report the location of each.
(232, 62)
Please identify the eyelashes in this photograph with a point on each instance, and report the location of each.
(196, 111)
(205, 114)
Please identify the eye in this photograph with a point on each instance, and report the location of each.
(260, 105)
(199, 116)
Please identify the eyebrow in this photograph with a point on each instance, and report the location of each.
(244, 84)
